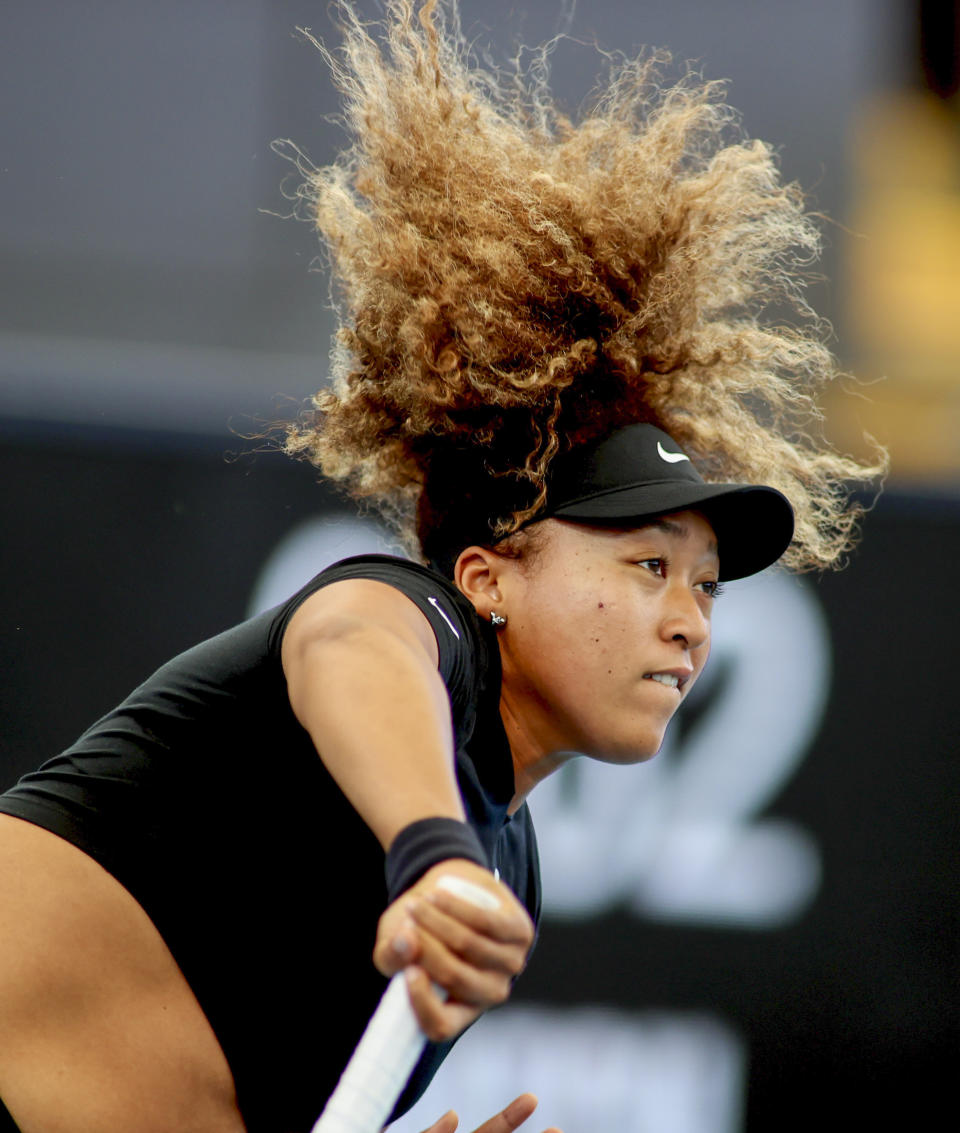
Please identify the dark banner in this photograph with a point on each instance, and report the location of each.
(757, 930)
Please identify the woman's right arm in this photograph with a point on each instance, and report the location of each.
(361, 666)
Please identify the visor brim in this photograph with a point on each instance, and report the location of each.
(753, 524)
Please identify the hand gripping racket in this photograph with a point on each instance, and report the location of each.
(388, 1050)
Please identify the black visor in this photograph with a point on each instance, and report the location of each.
(639, 472)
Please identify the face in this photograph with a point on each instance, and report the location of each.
(607, 631)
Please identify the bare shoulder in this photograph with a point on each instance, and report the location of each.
(351, 603)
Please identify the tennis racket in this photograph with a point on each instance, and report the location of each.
(389, 1048)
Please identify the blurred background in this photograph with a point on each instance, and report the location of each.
(757, 930)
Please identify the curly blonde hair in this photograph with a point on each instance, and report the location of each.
(513, 283)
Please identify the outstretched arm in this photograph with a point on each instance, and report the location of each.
(361, 666)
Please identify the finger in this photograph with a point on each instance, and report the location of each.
(439, 1020)
(510, 1118)
(460, 980)
(510, 924)
(447, 1124)
(396, 949)
(478, 951)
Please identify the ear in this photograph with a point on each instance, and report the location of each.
(477, 575)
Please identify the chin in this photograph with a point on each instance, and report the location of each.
(634, 750)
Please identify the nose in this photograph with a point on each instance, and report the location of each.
(684, 618)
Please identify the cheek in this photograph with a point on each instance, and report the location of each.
(607, 641)
(570, 643)
(567, 642)
(624, 625)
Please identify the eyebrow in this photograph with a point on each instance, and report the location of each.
(681, 530)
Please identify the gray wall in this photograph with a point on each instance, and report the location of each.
(142, 281)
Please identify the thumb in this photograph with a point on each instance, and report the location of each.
(446, 1124)
(519, 1110)
(404, 943)
(397, 951)
(510, 1118)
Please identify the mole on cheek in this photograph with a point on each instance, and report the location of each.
(599, 605)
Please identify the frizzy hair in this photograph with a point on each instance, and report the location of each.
(512, 283)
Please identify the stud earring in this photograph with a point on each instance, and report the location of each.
(497, 621)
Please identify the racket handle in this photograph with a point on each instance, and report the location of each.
(383, 1060)
(378, 1069)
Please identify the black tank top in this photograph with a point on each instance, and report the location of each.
(205, 798)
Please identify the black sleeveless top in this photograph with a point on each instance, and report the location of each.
(205, 798)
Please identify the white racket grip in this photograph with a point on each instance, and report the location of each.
(389, 1048)
(379, 1067)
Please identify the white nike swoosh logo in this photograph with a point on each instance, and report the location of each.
(440, 610)
(670, 457)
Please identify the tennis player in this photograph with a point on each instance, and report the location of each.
(552, 374)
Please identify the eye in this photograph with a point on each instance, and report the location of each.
(655, 566)
(711, 589)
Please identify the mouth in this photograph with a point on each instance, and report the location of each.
(670, 679)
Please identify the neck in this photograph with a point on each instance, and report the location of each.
(533, 761)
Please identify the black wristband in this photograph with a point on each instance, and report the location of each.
(424, 843)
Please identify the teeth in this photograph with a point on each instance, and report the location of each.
(664, 679)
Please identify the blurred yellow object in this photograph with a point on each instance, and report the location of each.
(903, 283)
